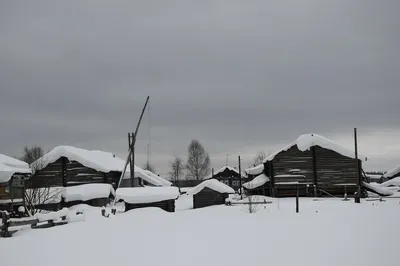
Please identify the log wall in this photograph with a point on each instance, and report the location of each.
(208, 197)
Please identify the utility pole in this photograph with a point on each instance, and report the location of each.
(227, 160)
(358, 179)
(240, 178)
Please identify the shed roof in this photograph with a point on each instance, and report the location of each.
(257, 182)
(211, 184)
(392, 172)
(10, 166)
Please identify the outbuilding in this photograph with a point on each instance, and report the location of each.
(210, 192)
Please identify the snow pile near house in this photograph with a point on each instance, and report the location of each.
(378, 189)
(87, 192)
(164, 182)
(306, 141)
(392, 182)
(212, 184)
(146, 194)
(9, 166)
(257, 182)
(256, 170)
(51, 215)
(392, 172)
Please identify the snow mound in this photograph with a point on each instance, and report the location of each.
(392, 172)
(87, 192)
(51, 215)
(146, 194)
(164, 182)
(378, 189)
(256, 170)
(212, 184)
(306, 141)
(9, 166)
(392, 182)
(257, 182)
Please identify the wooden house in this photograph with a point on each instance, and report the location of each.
(210, 192)
(313, 164)
(13, 176)
(67, 166)
(229, 176)
(146, 197)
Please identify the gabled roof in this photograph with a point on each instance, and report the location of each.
(222, 169)
(212, 184)
(10, 166)
(98, 160)
(306, 141)
(392, 172)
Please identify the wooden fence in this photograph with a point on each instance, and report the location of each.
(7, 226)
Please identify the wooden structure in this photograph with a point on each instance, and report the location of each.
(229, 176)
(210, 192)
(166, 205)
(317, 168)
(13, 177)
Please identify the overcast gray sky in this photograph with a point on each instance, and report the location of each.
(240, 76)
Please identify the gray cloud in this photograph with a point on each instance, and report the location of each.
(238, 76)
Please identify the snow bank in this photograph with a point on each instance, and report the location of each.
(9, 166)
(257, 182)
(306, 141)
(392, 172)
(392, 182)
(212, 184)
(257, 170)
(379, 189)
(164, 182)
(146, 194)
(87, 192)
(51, 215)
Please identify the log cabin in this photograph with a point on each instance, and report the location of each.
(13, 176)
(314, 164)
(229, 176)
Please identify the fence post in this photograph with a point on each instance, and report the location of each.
(5, 220)
(345, 192)
(297, 199)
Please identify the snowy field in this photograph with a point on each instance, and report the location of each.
(328, 232)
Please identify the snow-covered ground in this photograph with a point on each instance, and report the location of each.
(327, 232)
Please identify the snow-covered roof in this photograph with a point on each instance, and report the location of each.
(87, 192)
(392, 182)
(223, 169)
(140, 173)
(392, 172)
(378, 189)
(258, 181)
(306, 141)
(256, 170)
(164, 182)
(98, 160)
(9, 166)
(212, 184)
(146, 194)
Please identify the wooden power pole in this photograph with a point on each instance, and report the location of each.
(240, 179)
(358, 179)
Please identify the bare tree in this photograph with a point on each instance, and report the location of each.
(38, 192)
(149, 167)
(259, 158)
(198, 163)
(177, 168)
(32, 154)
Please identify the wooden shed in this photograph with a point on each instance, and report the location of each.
(13, 176)
(229, 176)
(210, 192)
(314, 164)
(146, 197)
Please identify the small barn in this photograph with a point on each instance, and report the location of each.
(210, 192)
(229, 176)
(145, 197)
(313, 164)
(13, 176)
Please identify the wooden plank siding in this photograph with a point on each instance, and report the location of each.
(63, 172)
(208, 197)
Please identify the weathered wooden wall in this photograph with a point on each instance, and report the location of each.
(166, 205)
(230, 178)
(208, 197)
